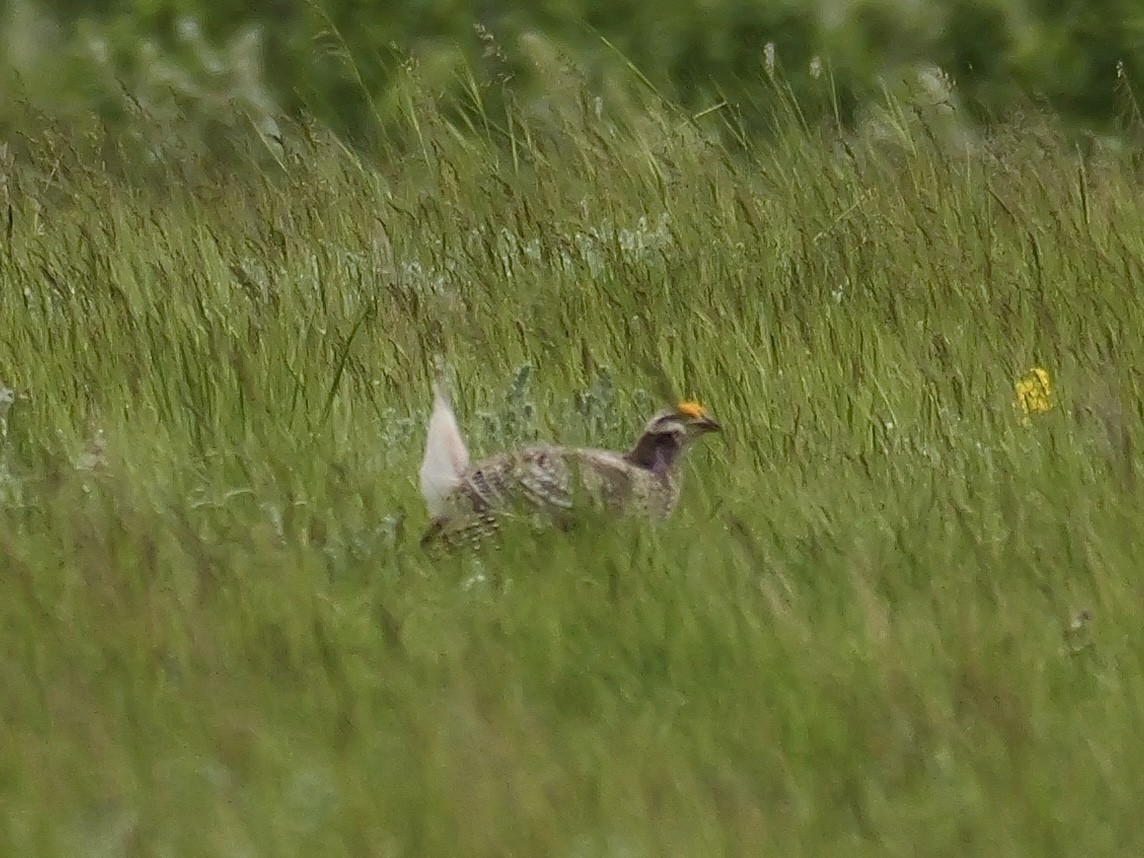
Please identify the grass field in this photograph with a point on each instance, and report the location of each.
(893, 616)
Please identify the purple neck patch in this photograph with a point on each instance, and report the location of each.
(656, 452)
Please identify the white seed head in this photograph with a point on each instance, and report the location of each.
(7, 397)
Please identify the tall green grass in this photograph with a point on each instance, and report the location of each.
(890, 618)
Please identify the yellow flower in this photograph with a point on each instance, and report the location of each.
(1034, 392)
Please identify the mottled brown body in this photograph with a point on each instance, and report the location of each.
(555, 483)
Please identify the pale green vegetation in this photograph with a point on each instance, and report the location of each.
(220, 637)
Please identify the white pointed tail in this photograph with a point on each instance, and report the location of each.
(446, 457)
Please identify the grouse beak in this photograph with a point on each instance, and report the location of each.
(707, 423)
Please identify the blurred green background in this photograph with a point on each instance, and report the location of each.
(337, 60)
